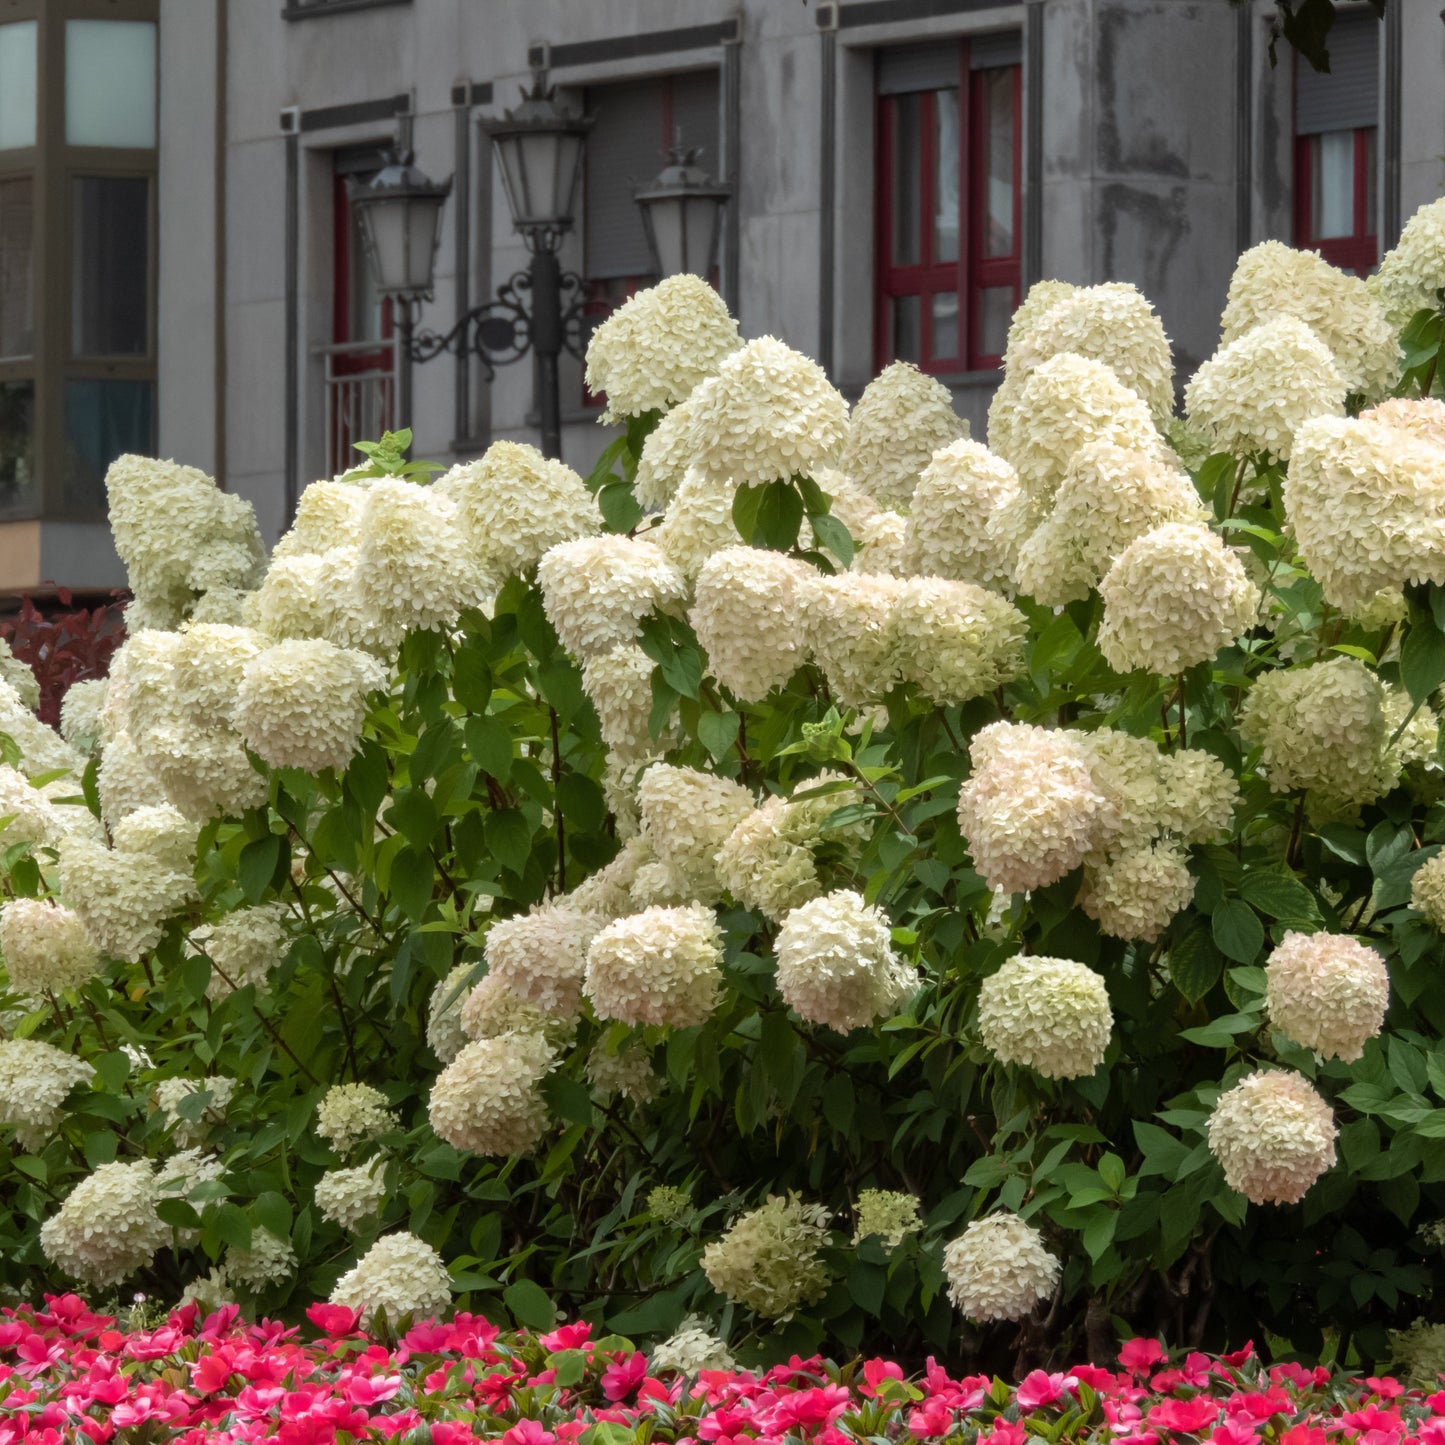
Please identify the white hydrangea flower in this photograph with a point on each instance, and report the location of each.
(1366, 500)
(34, 1080)
(108, 1226)
(1427, 891)
(597, 590)
(1413, 271)
(542, 956)
(1030, 812)
(887, 1215)
(1109, 497)
(328, 515)
(21, 676)
(350, 1114)
(769, 414)
(1273, 1136)
(1173, 598)
(661, 966)
(1040, 299)
(320, 596)
(626, 1071)
(1254, 393)
(764, 866)
(686, 816)
(209, 662)
(123, 897)
(487, 1100)
(1049, 1014)
(1112, 323)
(243, 947)
(162, 833)
(836, 964)
(956, 641)
(1066, 402)
(1136, 893)
(999, 1269)
(747, 614)
(80, 714)
(658, 345)
(665, 460)
(902, 418)
(490, 1009)
(513, 504)
(618, 683)
(124, 780)
(45, 947)
(42, 749)
(691, 1349)
(352, 1197)
(169, 1094)
(1327, 992)
(399, 1274)
(444, 1032)
(29, 815)
(269, 1260)
(848, 627)
(414, 561)
(1273, 279)
(209, 1292)
(302, 704)
(699, 522)
(768, 1260)
(946, 534)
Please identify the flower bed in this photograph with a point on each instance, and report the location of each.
(68, 1374)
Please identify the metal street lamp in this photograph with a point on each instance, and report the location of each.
(682, 211)
(539, 148)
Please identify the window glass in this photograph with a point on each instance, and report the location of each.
(1333, 202)
(945, 185)
(907, 178)
(110, 265)
(944, 317)
(103, 420)
(907, 329)
(995, 309)
(19, 491)
(17, 267)
(998, 109)
(110, 83)
(17, 84)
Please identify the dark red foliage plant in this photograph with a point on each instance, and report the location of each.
(64, 644)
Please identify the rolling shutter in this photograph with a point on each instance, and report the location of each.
(1349, 96)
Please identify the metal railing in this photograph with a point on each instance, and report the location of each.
(360, 380)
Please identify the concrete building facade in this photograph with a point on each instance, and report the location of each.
(901, 171)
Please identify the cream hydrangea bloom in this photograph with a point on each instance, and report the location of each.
(768, 1260)
(328, 514)
(171, 1093)
(321, 597)
(654, 349)
(618, 683)
(686, 816)
(28, 814)
(444, 1032)
(946, 535)
(350, 1114)
(1273, 1135)
(352, 1197)
(108, 1226)
(21, 676)
(490, 1009)
(123, 897)
(769, 414)
(692, 1348)
(302, 704)
(1366, 500)
(1112, 323)
(124, 780)
(243, 947)
(954, 640)
(42, 749)
(1413, 271)
(836, 964)
(1327, 992)
(625, 1071)
(1109, 497)
(80, 714)
(487, 1100)
(902, 418)
(699, 522)
(1255, 392)
(597, 590)
(269, 1260)
(1049, 1014)
(542, 956)
(1427, 890)
(45, 946)
(665, 459)
(661, 966)
(1273, 279)
(999, 1269)
(1136, 893)
(747, 613)
(400, 1275)
(162, 833)
(34, 1080)
(1173, 598)
(1030, 812)
(514, 505)
(848, 627)
(886, 1215)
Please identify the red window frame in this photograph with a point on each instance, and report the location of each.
(342, 261)
(974, 271)
(1360, 250)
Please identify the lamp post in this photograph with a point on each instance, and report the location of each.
(682, 211)
(539, 148)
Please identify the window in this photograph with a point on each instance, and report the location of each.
(636, 124)
(949, 212)
(1335, 135)
(77, 334)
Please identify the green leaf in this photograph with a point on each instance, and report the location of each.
(746, 502)
(718, 731)
(414, 816)
(780, 514)
(1195, 964)
(580, 799)
(832, 534)
(1422, 659)
(509, 837)
(1238, 933)
(530, 1305)
(489, 745)
(259, 863)
(412, 881)
(471, 678)
(569, 1367)
(1220, 1033)
(619, 507)
(1278, 895)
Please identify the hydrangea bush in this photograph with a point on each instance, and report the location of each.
(819, 876)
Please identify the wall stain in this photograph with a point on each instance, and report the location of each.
(1148, 153)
